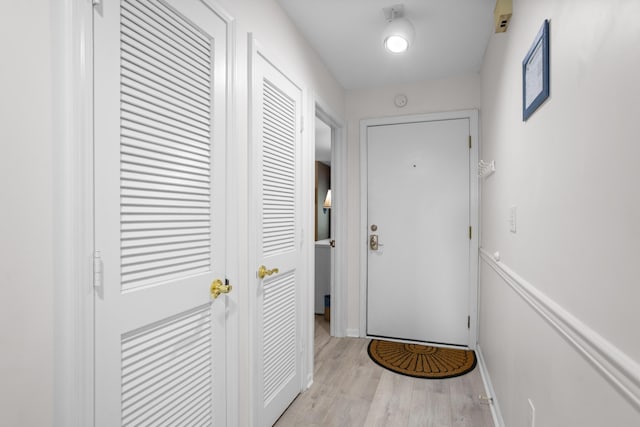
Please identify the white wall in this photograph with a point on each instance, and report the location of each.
(458, 93)
(571, 170)
(26, 217)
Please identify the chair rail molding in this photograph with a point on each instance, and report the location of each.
(622, 372)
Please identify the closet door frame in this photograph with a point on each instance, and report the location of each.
(72, 68)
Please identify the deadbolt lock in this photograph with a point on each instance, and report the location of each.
(373, 242)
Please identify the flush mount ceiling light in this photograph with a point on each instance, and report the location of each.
(398, 34)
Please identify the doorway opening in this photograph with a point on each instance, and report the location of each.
(322, 228)
(328, 294)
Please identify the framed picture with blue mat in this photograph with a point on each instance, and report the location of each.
(535, 73)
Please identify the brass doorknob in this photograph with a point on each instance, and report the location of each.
(263, 272)
(217, 288)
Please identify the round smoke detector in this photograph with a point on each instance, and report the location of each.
(400, 100)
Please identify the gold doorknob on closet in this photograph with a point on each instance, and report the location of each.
(218, 288)
(263, 272)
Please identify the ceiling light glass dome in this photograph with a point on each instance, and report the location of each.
(398, 35)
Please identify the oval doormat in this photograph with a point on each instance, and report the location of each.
(422, 361)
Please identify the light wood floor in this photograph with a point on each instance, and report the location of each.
(350, 390)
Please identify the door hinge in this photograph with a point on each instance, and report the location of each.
(97, 269)
(470, 233)
(301, 124)
(469, 142)
(468, 322)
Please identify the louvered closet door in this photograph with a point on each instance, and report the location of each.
(160, 106)
(276, 149)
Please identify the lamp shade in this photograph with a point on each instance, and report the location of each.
(327, 200)
(398, 35)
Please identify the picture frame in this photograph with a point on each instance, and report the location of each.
(535, 73)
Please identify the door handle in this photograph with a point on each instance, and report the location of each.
(373, 242)
(263, 272)
(218, 288)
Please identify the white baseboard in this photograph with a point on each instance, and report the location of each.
(353, 333)
(309, 382)
(620, 370)
(488, 386)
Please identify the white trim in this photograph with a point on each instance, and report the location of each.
(232, 270)
(72, 48)
(474, 194)
(622, 372)
(353, 333)
(338, 217)
(496, 414)
(338, 280)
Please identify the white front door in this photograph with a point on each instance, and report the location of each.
(276, 217)
(418, 217)
(160, 114)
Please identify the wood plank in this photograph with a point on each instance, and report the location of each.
(350, 390)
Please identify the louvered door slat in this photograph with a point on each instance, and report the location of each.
(137, 171)
(158, 89)
(184, 160)
(137, 69)
(279, 333)
(169, 183)
(165, 17)
(163, 364)
(159, 135)
(154, 33)
(278, 169)
(171, 111)
(147, 39)
(139, 118)
(275, 133)
(138, 44)
(142, 35)
(156, 93)
(159, 139)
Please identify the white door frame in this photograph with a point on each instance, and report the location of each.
(338, 218)
(72, 53)
(474, 198)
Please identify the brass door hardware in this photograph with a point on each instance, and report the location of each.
(218, 288)
(263, 272)
(373, 242)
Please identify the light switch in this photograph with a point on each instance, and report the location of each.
(512, 219)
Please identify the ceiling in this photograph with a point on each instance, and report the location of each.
(450, 38)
